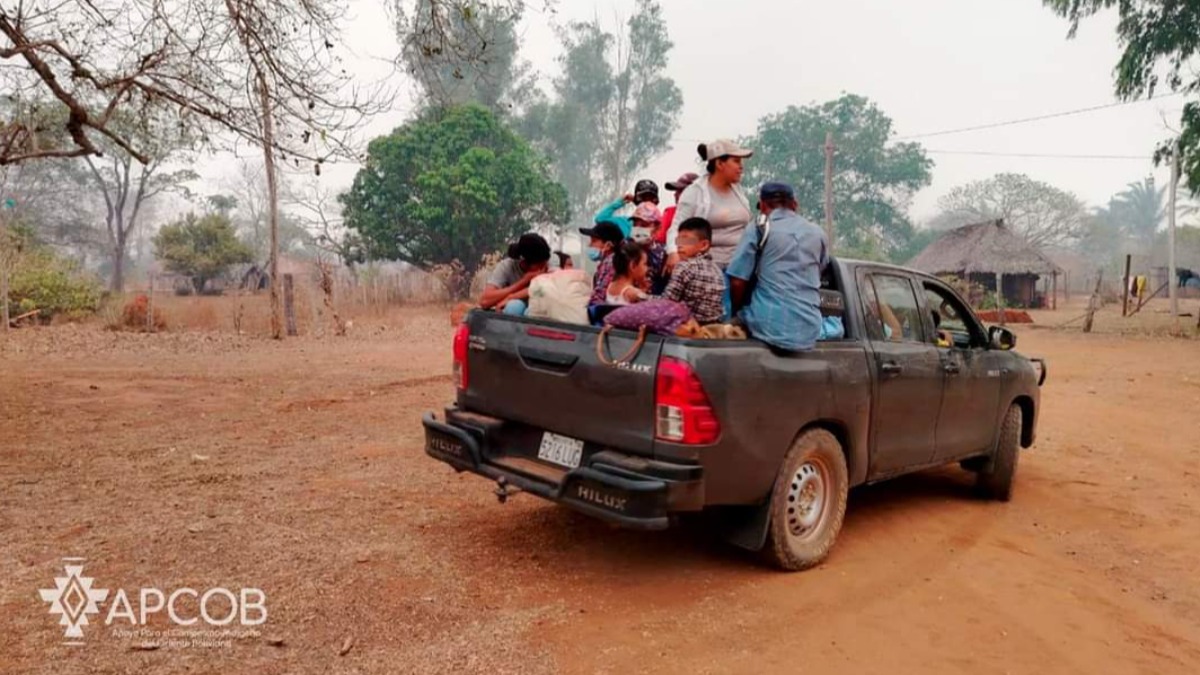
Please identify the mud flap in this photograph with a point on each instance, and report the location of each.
(742, 526)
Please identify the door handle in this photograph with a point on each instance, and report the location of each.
(891, 369)
(951, 368)
(547, 360)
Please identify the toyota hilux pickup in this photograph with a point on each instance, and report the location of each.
(764, 444)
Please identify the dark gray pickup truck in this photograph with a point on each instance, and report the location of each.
(765, 444)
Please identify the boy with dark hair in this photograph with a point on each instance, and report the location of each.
(697, 281)
(507, 289)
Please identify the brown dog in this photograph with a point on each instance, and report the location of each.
(724, 331)
(713, 331)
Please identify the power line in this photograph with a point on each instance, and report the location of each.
(1037, 155)
(1038, 118)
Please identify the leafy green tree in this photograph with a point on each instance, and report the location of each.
(448, 189)
(59, 206)
(201, 248)
(1159, 45)
(1102, 241)
(464, 51)
(1187, 249)
(1041, 213)
(613, 107)
(222, 204)
(42, 280)
(873, 181)
(568, 129)
(1139, 209)
(920, 239)
(125, 186)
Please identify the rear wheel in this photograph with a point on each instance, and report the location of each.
(808, 503)
(996, 481)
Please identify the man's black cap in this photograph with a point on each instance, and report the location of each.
(645, 187)
(605, 231)
(776, 191)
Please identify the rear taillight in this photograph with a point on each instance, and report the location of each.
(682, 412)
(462, 338)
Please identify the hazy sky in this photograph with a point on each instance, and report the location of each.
(931, 65)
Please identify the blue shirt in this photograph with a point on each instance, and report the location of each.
(785, 305)
(608, 214)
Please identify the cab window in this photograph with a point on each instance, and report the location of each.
(950, 319)
(891, 309)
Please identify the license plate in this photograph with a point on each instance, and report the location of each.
(560, 450)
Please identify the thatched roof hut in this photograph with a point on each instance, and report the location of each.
(985, 252)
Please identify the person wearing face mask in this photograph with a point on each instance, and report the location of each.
(646, 191)
(647, 220)
(603, 239)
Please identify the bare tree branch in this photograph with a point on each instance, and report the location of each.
(189, 60)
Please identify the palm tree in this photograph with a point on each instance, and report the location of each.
(1139, 210)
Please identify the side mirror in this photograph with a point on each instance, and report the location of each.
(1001, 338)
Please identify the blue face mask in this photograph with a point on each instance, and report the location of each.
(595, 254)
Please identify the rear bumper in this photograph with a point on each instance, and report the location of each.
(627, 490)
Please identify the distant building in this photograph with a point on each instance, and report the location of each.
(991, 255)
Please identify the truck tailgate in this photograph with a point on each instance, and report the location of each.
(548, 375)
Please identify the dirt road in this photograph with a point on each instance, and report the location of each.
(207, 461)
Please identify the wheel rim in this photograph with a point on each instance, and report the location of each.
(808, 499)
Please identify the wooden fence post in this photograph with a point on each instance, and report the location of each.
(4, 293)
(150, 307)
(1093, 303)
(1125, 290)
(1000, 296)
(289, 304)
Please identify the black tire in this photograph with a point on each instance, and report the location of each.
(813, 477)
(996, 480)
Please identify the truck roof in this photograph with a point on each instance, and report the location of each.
(854, 262)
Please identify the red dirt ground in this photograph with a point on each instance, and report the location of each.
(206, 460)
(1010, 316)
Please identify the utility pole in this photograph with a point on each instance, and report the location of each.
(829, 188)
(1174, 295)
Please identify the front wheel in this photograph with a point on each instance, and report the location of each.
(996, 480)
(808, 503)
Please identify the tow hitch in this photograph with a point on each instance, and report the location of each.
(503, 490)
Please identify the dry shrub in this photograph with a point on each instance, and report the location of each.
(200, 313)
(137, 316)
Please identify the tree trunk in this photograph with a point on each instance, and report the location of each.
(4, 263)
(118, 278)
(268, 128)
